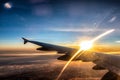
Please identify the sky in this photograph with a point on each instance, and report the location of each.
(58, 21)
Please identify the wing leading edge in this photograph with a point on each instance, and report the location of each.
(48, 47)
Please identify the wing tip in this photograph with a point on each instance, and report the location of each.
(25, 40)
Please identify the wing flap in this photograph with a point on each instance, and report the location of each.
(97, 67)
(108, 61)
(110, 76)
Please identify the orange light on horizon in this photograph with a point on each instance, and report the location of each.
(18, 46)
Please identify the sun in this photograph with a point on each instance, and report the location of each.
(85, 45)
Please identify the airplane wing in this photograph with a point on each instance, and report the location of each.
(102, 61)
(105, 61)
(50, 47)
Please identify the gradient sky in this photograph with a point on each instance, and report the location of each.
(58, 21)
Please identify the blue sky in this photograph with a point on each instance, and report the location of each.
(58, 21)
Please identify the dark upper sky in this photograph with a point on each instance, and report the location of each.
(58, 20)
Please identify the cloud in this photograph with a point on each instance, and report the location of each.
(42, 10)
(113, 19)
(77, 29)
(117, 41)
(38, 1)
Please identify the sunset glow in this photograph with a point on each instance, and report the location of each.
(59, 39)
(84, 46)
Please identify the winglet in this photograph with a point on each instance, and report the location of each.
(25, 40)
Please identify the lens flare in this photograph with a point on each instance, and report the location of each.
(83, 49)
(102, 35)
(68, 63)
